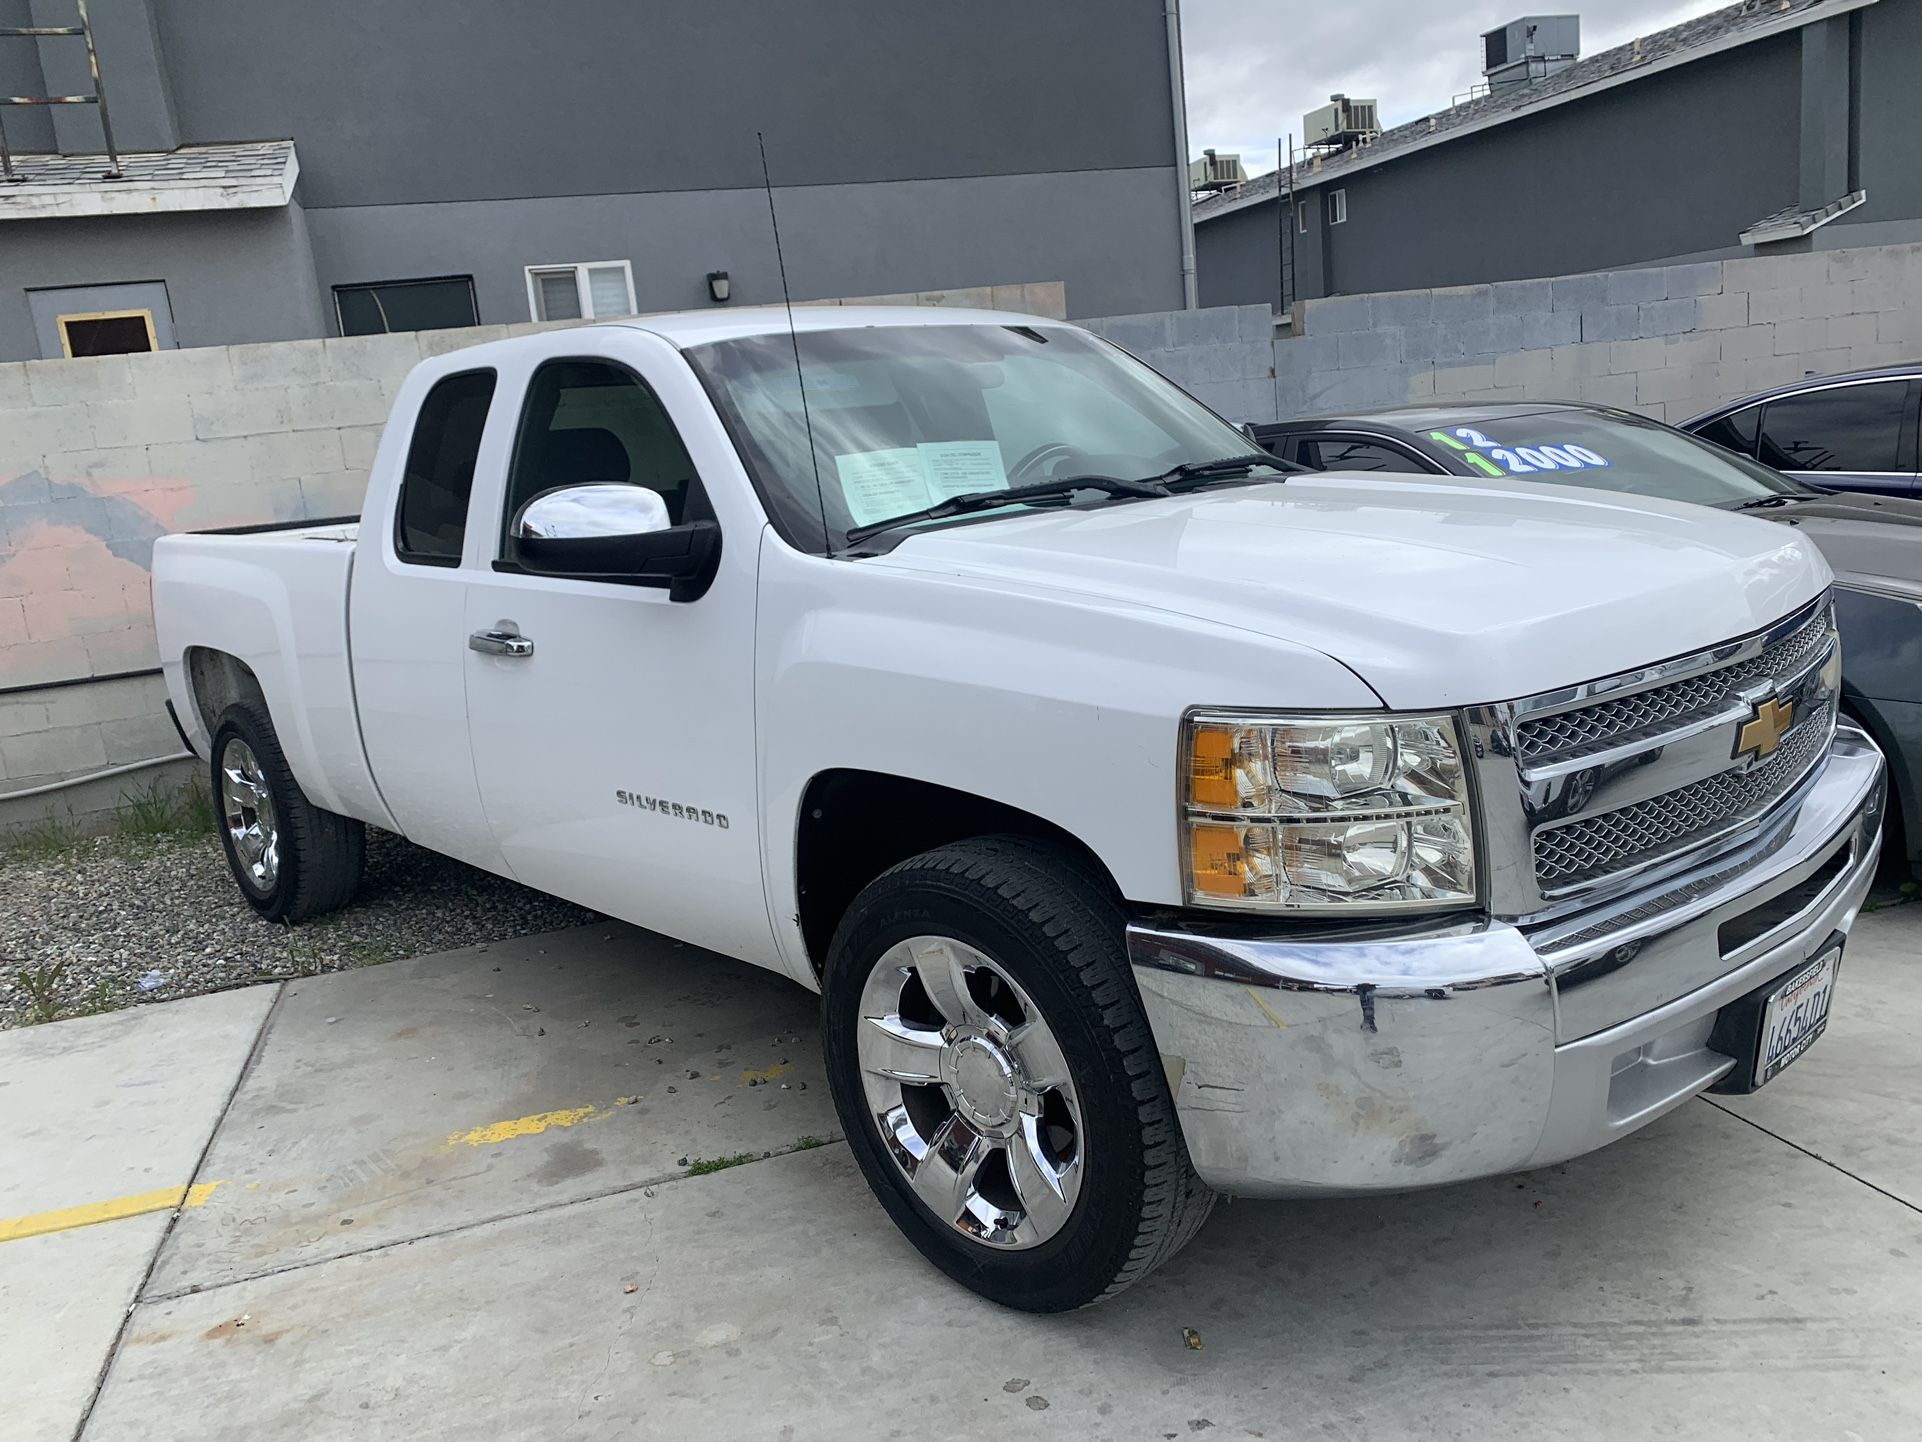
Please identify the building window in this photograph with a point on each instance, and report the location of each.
(593, 290)
(1337, 206)
(1301, 218)
(107, 332)
(442, 303)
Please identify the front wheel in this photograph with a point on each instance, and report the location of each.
(997, 1080)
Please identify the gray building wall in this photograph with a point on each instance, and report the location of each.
(912, 147)
(1094, 229)
(1238, 258)
(27, 129)
(133, 74)
(1666, 169)
(231, 276)
(440, 100)
(1890, 126)
(1677, 163)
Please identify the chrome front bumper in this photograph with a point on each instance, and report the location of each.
(1334, 1061)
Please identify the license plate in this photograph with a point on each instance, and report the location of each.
(1795, 1014)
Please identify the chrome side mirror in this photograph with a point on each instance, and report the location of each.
(612, 531)
(598, 510)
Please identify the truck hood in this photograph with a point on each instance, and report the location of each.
(1440, 594)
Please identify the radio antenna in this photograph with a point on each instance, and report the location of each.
(794, 339)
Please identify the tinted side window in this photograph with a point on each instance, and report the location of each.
(1336, 453)
(1850, 428)
(589, 420)
(431, 518)
(1735, 432)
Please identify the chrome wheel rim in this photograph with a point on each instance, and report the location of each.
(970, 1092)
(247, 811)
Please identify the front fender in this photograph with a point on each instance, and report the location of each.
(1058, 704)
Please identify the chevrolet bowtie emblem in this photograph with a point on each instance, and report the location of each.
(1763, 732)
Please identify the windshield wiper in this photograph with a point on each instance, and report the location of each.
(1762, 503)
(1226, 466)
(988, 500)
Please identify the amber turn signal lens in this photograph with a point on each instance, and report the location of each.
(1211, 768)
(1215, 860)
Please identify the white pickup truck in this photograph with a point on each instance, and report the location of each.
(1156, 821)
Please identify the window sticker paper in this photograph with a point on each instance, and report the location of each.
(958, 468)
(879, 485)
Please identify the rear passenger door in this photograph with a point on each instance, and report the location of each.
(1853, 436)
(408, 617)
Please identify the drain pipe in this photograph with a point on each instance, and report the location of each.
(1178, 90)
(72, 781)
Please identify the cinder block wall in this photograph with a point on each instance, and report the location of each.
(1225, 356)
(100, 457)
(1666, 341)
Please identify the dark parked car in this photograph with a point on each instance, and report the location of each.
(1853, 432)
(1873, 542)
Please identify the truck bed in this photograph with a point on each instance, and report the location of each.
(275, 598)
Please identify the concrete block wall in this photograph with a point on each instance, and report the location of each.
(56, 732)
(100, 457)
(1224, 355)
(1669, 341)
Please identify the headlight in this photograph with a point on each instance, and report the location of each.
(1325, 813)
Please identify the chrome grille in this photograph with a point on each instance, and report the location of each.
(1583, 850)
(1592, 727)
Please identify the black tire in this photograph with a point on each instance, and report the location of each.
(319, 853)
(1051, 925)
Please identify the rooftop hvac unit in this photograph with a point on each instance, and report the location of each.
(1528, 49)
(1341, 123)
(1216, 172)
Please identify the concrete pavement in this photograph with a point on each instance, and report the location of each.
(446, 1198)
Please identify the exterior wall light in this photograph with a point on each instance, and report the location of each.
(718, 285)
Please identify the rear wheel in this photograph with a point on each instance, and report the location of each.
(292, 860)
(997, 1080)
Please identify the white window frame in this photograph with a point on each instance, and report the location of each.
(581, 291)
(1338, 207)
(1301, 216)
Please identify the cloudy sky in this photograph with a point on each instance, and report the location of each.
(1254, 67)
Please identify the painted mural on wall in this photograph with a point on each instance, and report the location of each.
(75, 564)
(74, 585)
(99, 458)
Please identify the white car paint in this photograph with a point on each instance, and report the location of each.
(1043, 660)
(1443, 594)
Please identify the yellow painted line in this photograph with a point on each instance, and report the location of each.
(533, 1126)
(166, 1199)
(1255, 997)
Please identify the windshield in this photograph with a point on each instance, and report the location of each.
(906, 416)
(1610, 453)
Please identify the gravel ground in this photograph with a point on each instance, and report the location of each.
(82, 929)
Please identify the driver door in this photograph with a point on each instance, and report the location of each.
(612, 727)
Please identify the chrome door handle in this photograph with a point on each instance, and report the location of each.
(500, 643)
